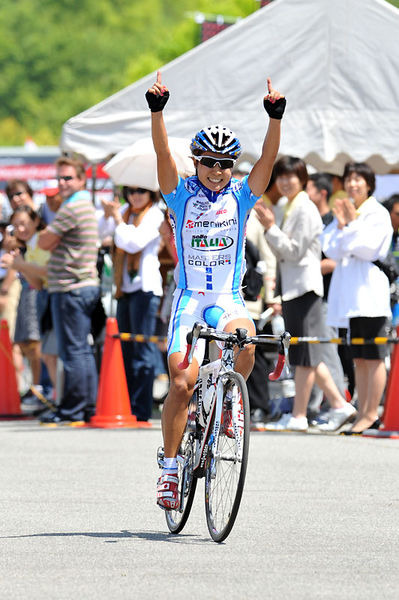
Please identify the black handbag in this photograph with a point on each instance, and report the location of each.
(388, 267)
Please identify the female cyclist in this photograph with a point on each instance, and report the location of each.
(208, 213)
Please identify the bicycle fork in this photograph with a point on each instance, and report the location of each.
(215, 454)
(214, 436)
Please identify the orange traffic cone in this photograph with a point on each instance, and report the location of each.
(113, 404)
(10, 402)
(390, 419)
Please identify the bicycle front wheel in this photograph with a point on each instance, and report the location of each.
(227, 463)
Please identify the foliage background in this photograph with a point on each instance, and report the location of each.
(60, 57)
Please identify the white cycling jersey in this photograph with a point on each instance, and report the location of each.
(209, 230)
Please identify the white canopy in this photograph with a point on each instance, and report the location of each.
(336, 61)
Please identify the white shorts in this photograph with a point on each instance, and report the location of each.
(207, 308)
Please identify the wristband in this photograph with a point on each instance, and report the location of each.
(155, 102)
(275, 110)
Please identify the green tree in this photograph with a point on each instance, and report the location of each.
(59, 58)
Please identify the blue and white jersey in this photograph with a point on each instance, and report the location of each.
(209, 230)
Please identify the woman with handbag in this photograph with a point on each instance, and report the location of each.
(135, 227)
(359, 296)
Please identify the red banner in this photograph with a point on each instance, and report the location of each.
(28, 172)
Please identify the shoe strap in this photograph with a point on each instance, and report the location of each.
(168, 478)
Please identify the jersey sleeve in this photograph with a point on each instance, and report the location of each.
(173, 199)
(246, 196)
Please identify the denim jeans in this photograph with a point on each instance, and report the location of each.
(136, 313)
(71, 314)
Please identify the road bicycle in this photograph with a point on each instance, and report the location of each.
(216, 439)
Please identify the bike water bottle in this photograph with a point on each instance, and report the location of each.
(206, 405)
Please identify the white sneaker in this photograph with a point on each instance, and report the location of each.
(160, 387)
(336, 417)
(288, 423)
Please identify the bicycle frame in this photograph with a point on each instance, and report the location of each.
(216, 406)
(216, 439)
(226, 363)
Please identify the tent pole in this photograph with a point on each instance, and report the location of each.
(93, 183)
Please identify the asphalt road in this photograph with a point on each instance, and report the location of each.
(319, 519)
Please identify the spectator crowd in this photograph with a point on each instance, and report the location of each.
(318, 252)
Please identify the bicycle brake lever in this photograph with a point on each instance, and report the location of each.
(192, 339)
(282, 356)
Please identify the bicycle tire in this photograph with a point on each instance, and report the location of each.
(176, 519)
(225, 474)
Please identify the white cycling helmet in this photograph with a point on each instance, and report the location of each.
(216, 138)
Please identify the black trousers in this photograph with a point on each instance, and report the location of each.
(347, 362)
(257, 382)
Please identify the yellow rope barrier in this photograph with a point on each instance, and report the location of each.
(343, 341)
(139, 337)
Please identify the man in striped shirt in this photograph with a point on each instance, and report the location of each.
(74, 290)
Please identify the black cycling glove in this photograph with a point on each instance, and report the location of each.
(155, 102)
(275, 110)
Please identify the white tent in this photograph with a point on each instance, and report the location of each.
(337, 61)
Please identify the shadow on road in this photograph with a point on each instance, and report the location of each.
(114, 536)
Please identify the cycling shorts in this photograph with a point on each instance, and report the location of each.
(210, 309)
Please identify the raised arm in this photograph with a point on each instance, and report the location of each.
(274, 104)
(157, 96)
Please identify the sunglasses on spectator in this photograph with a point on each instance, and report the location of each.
(136, 190)
(224, 163)
(16, 194)
(65, 178)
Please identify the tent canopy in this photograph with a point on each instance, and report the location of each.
(337, 63)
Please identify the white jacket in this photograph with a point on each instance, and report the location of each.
(358, 288)
(145, 238)
(297, 248)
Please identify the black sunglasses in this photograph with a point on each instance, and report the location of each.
(65, 178)
(16, 194)
(136, 190)
(224, 163)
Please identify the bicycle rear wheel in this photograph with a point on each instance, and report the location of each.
(176, 519)
(227, 465)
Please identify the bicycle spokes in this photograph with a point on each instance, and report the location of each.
(227, 460)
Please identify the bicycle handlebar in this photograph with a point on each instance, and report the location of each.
(192, 338)
(184, 364)
(240, 339)
(285, 339)
(278, 367)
